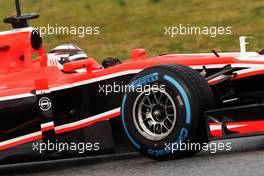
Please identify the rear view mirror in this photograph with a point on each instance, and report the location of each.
(72, 66)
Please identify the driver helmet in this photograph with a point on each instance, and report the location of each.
(64, 54)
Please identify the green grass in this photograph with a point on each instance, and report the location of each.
(127, 24)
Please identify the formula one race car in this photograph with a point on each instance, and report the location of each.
(66, 99)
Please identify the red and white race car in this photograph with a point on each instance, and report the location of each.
(66, 97)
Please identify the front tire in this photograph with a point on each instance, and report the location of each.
(165, 109)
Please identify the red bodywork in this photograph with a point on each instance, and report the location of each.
(18, 76)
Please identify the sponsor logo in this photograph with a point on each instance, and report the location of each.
(45, 104)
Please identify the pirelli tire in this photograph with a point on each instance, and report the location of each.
(164, 109)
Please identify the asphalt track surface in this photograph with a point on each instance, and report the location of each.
(245, 159)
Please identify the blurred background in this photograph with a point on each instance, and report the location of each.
(128, 24)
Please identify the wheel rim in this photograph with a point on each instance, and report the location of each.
(154, 114)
